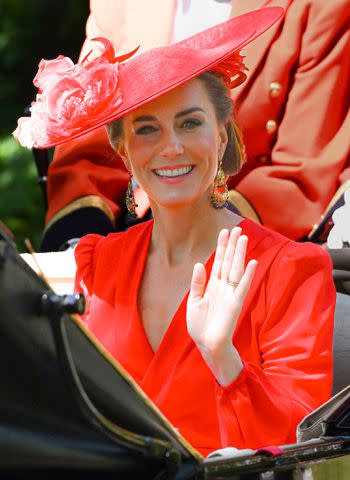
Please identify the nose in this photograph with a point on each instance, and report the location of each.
(171, 145)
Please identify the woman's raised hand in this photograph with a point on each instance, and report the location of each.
(213, 309)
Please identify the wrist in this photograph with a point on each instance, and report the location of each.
(225, 364)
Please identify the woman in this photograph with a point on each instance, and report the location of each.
(298, 151)
(226, 325)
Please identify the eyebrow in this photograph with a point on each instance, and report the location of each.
(150, 118)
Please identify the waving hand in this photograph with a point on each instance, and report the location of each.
(213, 309)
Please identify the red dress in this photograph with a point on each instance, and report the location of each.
(284, 336)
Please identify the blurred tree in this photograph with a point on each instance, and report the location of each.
(22, 207)
(29, 30)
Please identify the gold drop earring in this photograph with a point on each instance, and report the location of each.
(130, 199)
(219, 196)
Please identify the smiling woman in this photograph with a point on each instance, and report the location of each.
(219, 95)
(179, 144)
(204, 308)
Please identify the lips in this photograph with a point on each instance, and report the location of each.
(173, 171)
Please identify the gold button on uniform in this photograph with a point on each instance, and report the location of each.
(275, 89)
(271, 126)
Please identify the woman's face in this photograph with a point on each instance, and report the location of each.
(173, 144)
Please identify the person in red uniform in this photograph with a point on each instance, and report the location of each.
(293, 111)
(225, 324)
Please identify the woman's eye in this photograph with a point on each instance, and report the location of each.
(145, 130)
(191, 123)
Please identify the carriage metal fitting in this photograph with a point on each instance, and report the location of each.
(53, 304)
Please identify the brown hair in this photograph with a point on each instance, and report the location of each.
(219, 95)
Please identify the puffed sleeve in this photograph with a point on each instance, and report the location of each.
(266, 402)
(86, 253)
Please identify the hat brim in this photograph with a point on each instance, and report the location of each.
(153, 73)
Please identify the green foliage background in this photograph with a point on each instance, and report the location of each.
(29, 30)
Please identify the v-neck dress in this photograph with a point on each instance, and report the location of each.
(283, 335)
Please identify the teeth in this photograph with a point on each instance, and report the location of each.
(174, 172)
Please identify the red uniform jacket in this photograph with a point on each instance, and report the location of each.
(293, 109)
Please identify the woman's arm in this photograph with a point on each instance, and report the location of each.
(213, 307)
(266, 402)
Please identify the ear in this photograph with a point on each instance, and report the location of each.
(122, 152)
(223, 138)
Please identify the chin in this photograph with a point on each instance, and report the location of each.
(179, 202)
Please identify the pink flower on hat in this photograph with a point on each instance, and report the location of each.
(69, 97)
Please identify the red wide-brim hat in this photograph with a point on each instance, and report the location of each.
(75, 99)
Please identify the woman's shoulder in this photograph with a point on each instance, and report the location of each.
(286, 266)
(266, 240)
(90, 244)
(99, 253)
(99, 244)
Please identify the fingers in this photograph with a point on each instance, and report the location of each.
(230, 256)
(199, 277)
(220, 253)
(238, 260)
(246, 280)
(230, 252)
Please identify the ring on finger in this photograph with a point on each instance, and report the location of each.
(233, 283)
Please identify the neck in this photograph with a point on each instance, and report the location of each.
(189, 231)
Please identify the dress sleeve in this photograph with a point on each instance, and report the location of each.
(85, 258)
(266, 402)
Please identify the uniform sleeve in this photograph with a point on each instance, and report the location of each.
(312, 150)
(86, 172)
(266, 402)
